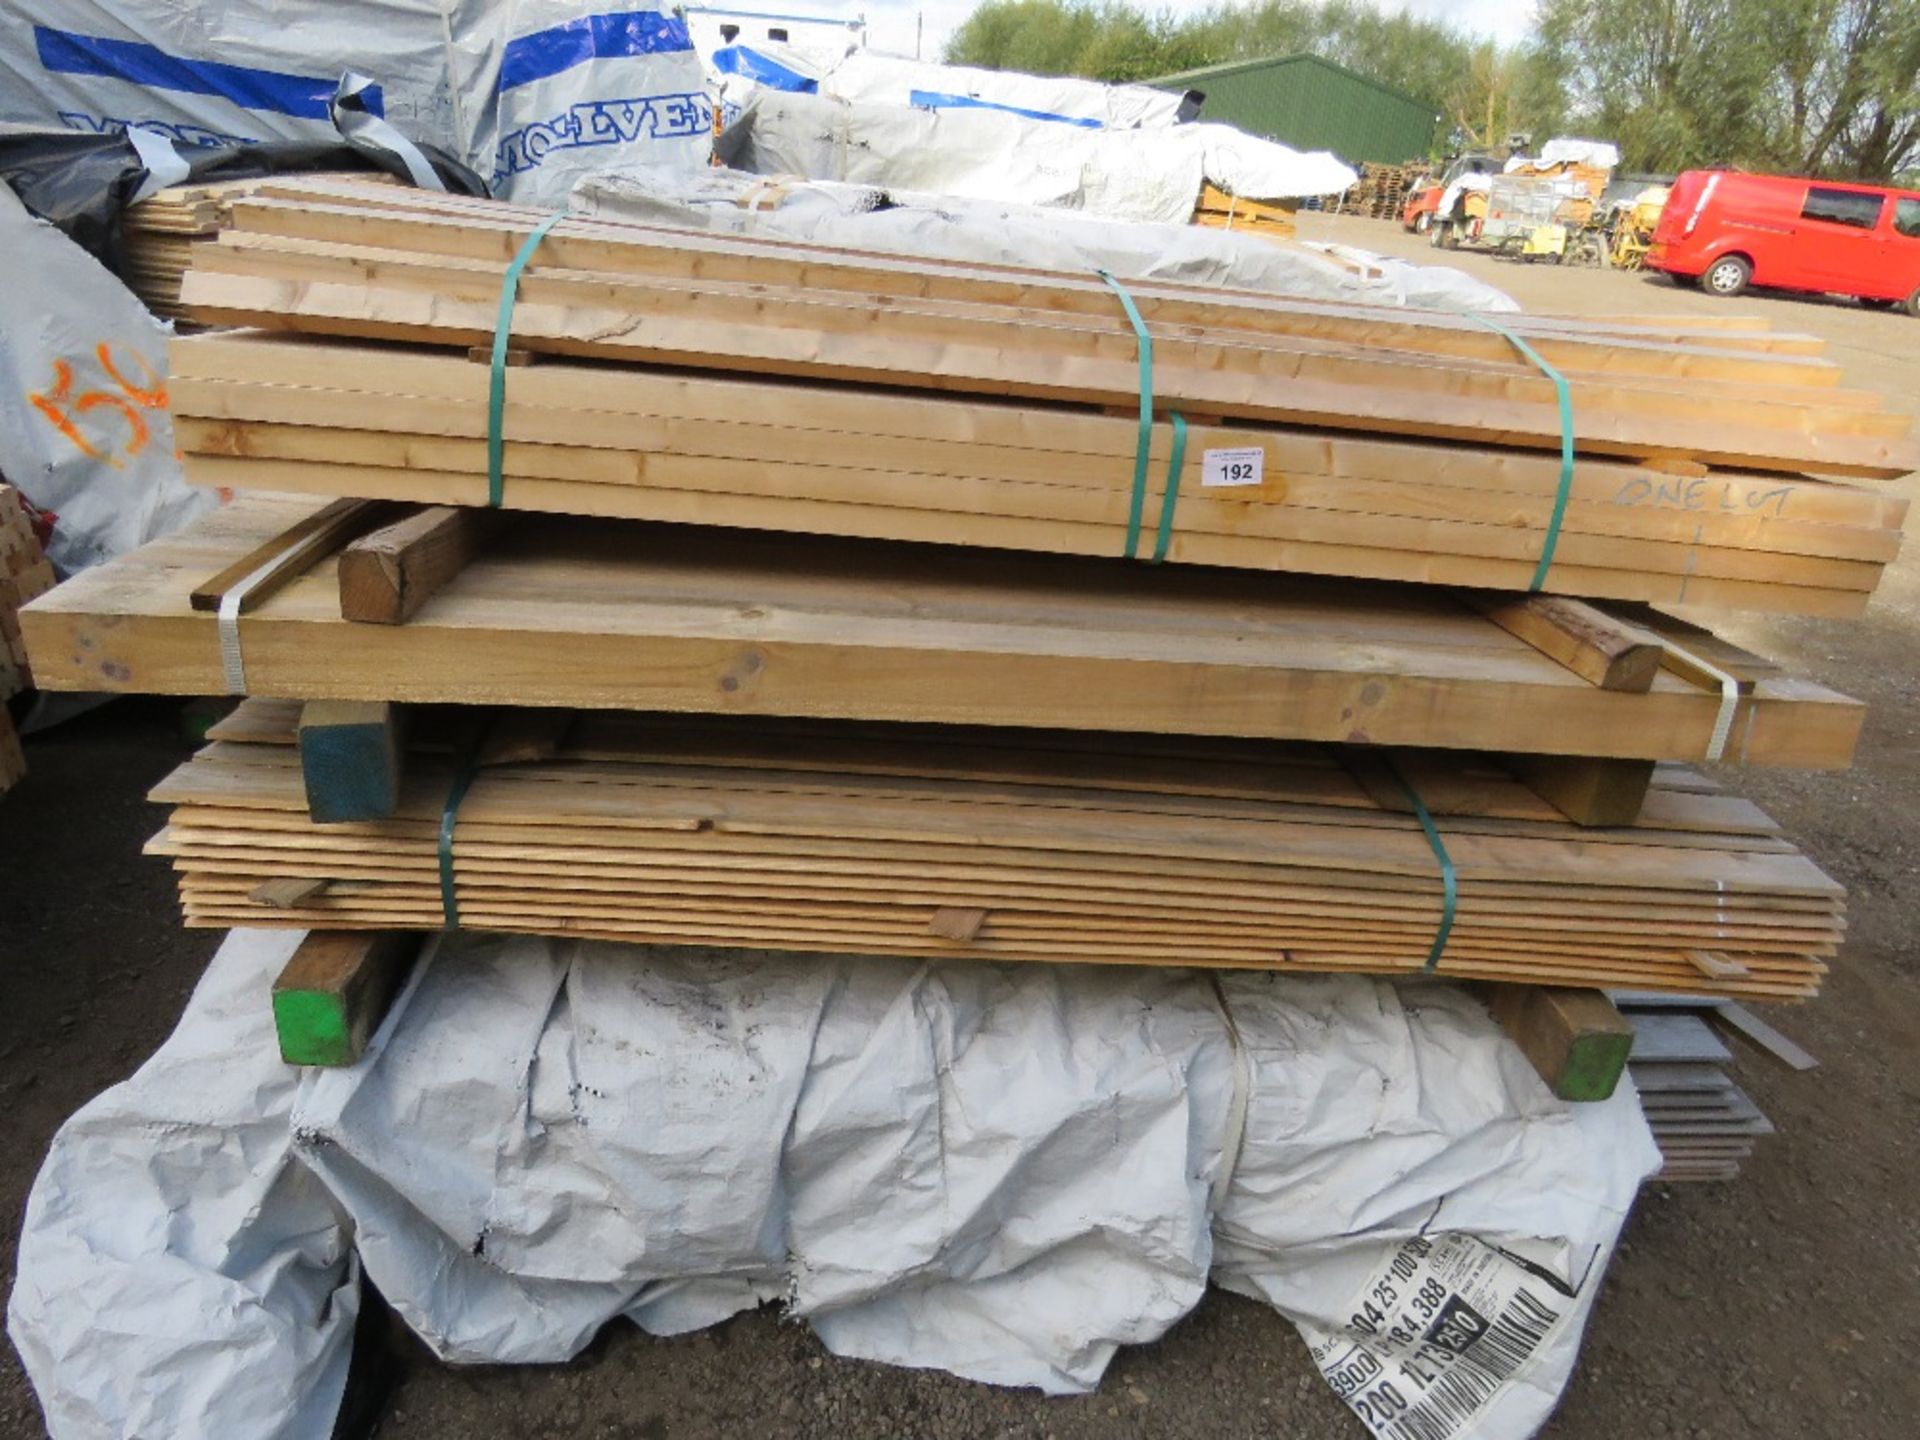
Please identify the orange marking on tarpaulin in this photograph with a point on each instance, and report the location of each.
(60, 405)
(53, 406)
(153, 395)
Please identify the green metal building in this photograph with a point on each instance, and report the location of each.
(1314, 104)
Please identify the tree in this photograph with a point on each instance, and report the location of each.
(1049, 37)
(1819, 87)
(1848, 88)
(1822, 87)
(1502, 90)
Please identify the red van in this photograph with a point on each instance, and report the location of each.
(1727, 230)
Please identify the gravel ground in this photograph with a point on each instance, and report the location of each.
(1778, 1306)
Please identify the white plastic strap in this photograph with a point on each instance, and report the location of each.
(228, 615)
(1236, 1131)
(1729, 698)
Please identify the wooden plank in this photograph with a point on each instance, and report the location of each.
(350, 759)
(1588, 791)
(1751, 1027)
(283, 894)
(1669, 1035)
(1575, 1040)
(961, 923)
(386, 576)
(1599, 649)
(601, 617)
(332, 994)
(1714, 965)
(281, 558)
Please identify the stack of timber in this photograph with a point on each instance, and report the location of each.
(162, 230)
(1703, 1122)
(1014, 845)
(24, 573)
(1221, 211)
(779, 386)
(1286, 751)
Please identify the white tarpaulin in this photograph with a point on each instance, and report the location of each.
(1150, 174)
(864, 217)
(1566, 150)
(84, 427)
(1465, 184)
(210, 1288)
(530, 92)
(232, 70)
(871, 79)
(920, 1159)
(577, 91)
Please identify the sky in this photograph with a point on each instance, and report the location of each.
(891, 23)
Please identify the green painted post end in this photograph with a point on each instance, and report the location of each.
(313, 1028)
(350, 773)
(1594, 1066)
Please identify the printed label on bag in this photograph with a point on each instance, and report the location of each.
(1446, 1325)
(1232, 467)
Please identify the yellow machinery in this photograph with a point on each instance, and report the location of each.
(1570, 237)
(1545, 242)
(1633, 228)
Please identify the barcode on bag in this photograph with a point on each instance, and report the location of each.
(1477, 1373)
(1438, 1332)
(1241, 466)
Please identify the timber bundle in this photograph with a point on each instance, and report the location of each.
(1014, 844)
(829, 617)
(163, 230)
(788, 387)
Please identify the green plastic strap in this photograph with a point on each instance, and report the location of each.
(1566, 445)
(450, 817)
(502, 331)
(1449, 880)
(1145, 441)
(1174, 461)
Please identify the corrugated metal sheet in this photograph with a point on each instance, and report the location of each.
(1314, 104)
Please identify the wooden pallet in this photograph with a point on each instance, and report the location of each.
(1380, 192)
(1100, 849)
(560, 612)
